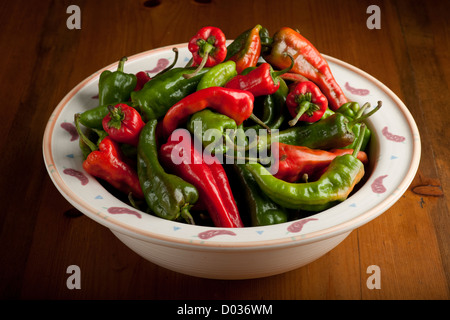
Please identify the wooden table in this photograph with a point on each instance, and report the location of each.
(42, 59)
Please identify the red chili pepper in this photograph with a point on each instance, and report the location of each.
(123, 124)
(295, 77)
(260, 81)
(249, 54)
(142, 78)
(305, 102)
(234, 103)
(308, 62)
(291, 162)
(206, 174)
(107, 163)
(208, 48)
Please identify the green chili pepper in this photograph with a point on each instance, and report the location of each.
(218, 75)
(273, 113)
(114, 87)
(329, 133)
(263, 211)
(211, 129)
(163, 91)
(334, 186)
(167, 195)
(349, 109)
(328, 112)
(356, 116)
(266, 41)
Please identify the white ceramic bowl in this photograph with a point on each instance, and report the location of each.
(246, 252)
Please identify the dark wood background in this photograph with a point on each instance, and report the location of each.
(42, 60)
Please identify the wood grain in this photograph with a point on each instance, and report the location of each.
(42, 60)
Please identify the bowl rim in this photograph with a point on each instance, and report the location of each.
(295, 239)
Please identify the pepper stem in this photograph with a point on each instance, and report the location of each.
(362, 109)
(122, 64)
(360, 140)
(186, 215)
(305, 106)
(174, 62)
(260, 122)
(206, 48)
(281, 72)
(85, 139)
(117, 116)
(367, 115)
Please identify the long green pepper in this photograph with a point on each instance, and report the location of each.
(334, 186)
(164, 90)
(167, 195)
(218, 76)
(263, 211)
(329, 133)
(272, 108)
(211, 129)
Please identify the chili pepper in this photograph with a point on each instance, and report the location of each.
(208, 48)
(246, 49)
(306, 102)
(142, 78)
(210, 128)
(163, 91)
(167, 195)
(334, 132)
(350, 109)
(218, 75)
(180, 155)
(308, 62)
(107, 162)
(263, 211)
(291, 163)
(328, 112)
(356, 115)
(259, 81)
(334, 186)
(114, 87)
(266, 41)
(330, 133)
(86, 145)
(272, 108)
(294, 77)
(93, 118)
(234, 103)
(123, 123)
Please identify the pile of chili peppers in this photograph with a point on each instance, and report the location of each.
(147, 139)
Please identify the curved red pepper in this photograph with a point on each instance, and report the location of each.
(305, 102)
(107, 163)
(260, 81)
(295, 77)
(208, 48)
(234, 103)
(206, 174)
(308, 62)
(249, 54)
(123, 124)
(293, 162)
